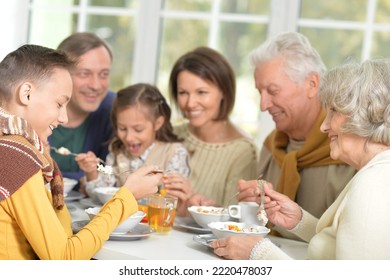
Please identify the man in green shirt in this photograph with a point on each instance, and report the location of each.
(89, 126)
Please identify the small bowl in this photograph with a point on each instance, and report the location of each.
(92, 212)
(105, 193)
(69, 184)
(203, 215)
(226, 229)
(127, 225)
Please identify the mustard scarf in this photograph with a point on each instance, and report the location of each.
(13, 125)
(314, 152)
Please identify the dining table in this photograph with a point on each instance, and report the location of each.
(181, 243)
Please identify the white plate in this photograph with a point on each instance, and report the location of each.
(190, 224)
(74, 195)
(140, 231)
(88, 202)
(204, 239)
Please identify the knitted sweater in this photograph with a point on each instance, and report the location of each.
(356, 225)
(217, 167)
(30, 227)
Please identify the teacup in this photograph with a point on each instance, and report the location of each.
(245, 212)
(161, 212)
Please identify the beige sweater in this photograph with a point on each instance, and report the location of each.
(217, 167)
(356, 226)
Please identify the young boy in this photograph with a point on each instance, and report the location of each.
(35, 87)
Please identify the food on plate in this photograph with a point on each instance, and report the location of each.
(211, 210)
(237, 228)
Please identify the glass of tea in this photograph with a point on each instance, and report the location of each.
(161, 212)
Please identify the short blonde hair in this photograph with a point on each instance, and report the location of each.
(361, 91)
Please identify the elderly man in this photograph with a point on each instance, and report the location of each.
(89, 127)
(295, 157)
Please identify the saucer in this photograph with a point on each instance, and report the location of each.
(189, 224)
(140, 231)
(88, 202)
(74, 195)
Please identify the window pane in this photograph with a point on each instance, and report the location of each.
(113, 3)
(44, 32)
(333, 46)
(382, 11)
(119, 32)
(380, 45)
(242, 39)
(188, 5)
(253, 7)
(174, 45)
(334, 9)
(55, 3)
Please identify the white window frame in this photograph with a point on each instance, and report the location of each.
(284, 16)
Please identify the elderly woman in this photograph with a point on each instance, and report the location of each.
(356, 226)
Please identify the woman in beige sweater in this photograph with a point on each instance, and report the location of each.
(202, 85)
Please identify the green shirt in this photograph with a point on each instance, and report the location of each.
(72, 139)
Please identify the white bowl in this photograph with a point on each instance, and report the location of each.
(127, 225)
(69, 184)
(203, 215)
(226, 229)
(105, 193)
(92, 212)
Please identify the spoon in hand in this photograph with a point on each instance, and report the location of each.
(65, 152)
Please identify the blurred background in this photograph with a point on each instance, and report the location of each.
(147, 36)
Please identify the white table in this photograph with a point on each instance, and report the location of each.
(175, 245)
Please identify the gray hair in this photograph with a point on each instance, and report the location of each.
(300, 58)
(361, 91)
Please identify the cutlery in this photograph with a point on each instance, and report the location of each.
(65, 152)
(233, 196)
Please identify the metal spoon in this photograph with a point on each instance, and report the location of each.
(233, 196)
(69, 153)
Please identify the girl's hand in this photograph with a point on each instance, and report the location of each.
(281, 210)
(235, 247)
(87, 163)
(176, 185)
(142, 183)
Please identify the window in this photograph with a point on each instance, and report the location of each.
(149, 35)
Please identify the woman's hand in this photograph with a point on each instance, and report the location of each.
(198, 199)
(142, 182)
(235, 247)
(248, 191)
(281, 210)
(87, 163)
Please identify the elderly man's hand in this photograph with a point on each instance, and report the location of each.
(248, 191)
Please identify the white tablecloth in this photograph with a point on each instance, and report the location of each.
(175, 245)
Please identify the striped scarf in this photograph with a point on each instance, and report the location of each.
(17, 134)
